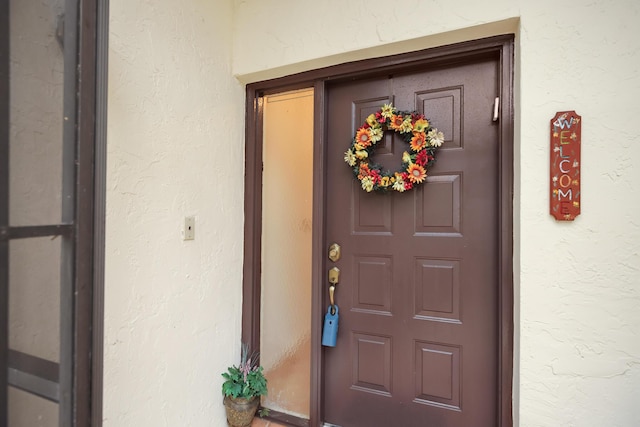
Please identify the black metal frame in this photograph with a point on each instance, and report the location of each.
(76, 382)
(34, 375)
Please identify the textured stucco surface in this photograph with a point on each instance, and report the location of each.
(175, 149)
(290, 35)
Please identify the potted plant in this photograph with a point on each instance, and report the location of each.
(243, 386)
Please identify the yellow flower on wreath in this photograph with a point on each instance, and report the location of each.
(407, 125)
(406, 158)
(361, 154)
(367, 184)
(398, 185)
(350, 158)
(420, 125)
(387, 111)
(376, 134)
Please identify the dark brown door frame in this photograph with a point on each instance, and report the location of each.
(499, 45)
(4, 208)
(99, 208)
(78, 376)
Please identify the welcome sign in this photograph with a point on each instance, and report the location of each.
(565, 165)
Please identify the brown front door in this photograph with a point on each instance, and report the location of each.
(418, 295)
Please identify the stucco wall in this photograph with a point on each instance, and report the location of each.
(175, 149)
(577, 293)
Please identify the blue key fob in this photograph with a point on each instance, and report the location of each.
(330, 330)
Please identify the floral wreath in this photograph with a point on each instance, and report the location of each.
(414, 129)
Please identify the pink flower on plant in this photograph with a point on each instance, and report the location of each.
(245, 368)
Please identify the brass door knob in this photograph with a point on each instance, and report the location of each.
(334, 252)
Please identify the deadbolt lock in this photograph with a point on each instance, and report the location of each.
(334, 275)
(334, 252)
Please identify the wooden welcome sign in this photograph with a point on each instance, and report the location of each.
(565, 165)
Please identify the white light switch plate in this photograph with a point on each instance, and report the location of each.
(189, 232)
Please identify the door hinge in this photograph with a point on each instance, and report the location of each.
(496, 108)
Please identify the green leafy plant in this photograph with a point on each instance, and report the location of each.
(245, 380)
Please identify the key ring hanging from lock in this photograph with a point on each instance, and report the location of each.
(334, 277)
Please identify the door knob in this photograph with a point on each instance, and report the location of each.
(334, 252)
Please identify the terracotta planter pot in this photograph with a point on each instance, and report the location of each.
(240, 412)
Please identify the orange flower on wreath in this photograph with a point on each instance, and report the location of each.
(419, 141)
(363, 137)
(416, 173)
(396, 122)
(363, 171)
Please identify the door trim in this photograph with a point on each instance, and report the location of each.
(498, 46)
(4, 208)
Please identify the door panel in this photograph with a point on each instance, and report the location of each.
(418, 293)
